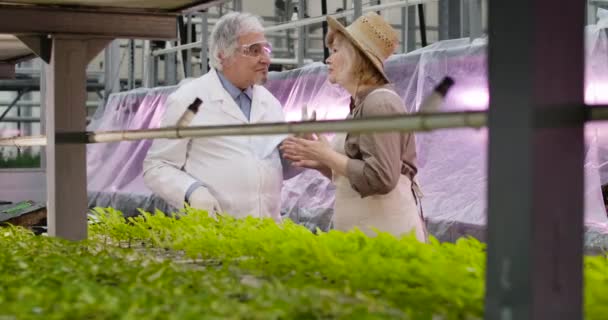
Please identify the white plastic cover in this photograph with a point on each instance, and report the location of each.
(452, 163)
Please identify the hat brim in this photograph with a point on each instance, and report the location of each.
(336, 25)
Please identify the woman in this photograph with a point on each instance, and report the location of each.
(373, 172)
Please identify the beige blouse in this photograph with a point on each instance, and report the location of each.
(376, 160)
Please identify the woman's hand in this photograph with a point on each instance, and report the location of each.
(316, 154)
(306, 153)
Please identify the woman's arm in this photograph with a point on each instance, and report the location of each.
(375, 163)
(314, 154)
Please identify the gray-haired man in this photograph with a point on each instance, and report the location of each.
(238, 175)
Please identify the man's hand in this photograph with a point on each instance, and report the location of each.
(202, 199)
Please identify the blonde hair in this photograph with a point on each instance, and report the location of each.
(361, 67)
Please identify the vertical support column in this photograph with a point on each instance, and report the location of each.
(358, 6)
(465, 21)
(301, 35)
(131, 71)
(535, 218)
(422, 23)
(188, 62)
(411, 28)
(324, 28)
(591, 12)
(148, 65)
(475, 28)
(66, 113)
(204, 42)
(43, 90)
(111, 69)
(449, 19)
(237, 5)
(171, 66)
(404, 29)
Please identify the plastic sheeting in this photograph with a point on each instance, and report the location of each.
(452, 163)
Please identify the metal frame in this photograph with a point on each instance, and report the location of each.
(305, 22)
(536, 153)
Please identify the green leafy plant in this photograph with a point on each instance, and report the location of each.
(190, 266)
(23, 160)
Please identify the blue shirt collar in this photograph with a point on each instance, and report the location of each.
(233, 90)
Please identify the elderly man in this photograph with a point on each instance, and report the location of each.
(237, 175)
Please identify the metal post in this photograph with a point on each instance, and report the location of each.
(170, 66)
(204, 40)
(43, 90)
(66, 161)
(411, 28)
(131, 74)
(358, 6)
(188, 62)
(147, 56)
(404, 29)
(465, 21)
(536, 146)
(111, 69)
(237, 5)
(449, 19)
(324, 28)
(591, 12)
(421, 21)
(475, 19)
(301, 35)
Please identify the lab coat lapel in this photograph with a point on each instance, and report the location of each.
(258, 106)
(227, 104)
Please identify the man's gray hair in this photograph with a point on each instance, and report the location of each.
(225, 34)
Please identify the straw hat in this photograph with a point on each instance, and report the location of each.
(372, 35)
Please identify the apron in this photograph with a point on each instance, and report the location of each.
(395, 212)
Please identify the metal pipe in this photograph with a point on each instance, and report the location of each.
(305, 22)
(19, 119)
(350, 12)
(404, 123)
(35, 104)
(203, 43)
(290, 61)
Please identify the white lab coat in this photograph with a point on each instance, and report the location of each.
(243, 173)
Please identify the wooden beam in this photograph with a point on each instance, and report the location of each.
(39, 44)
(53, 20)
(65, 161)
(201, 5)
(7, 71)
